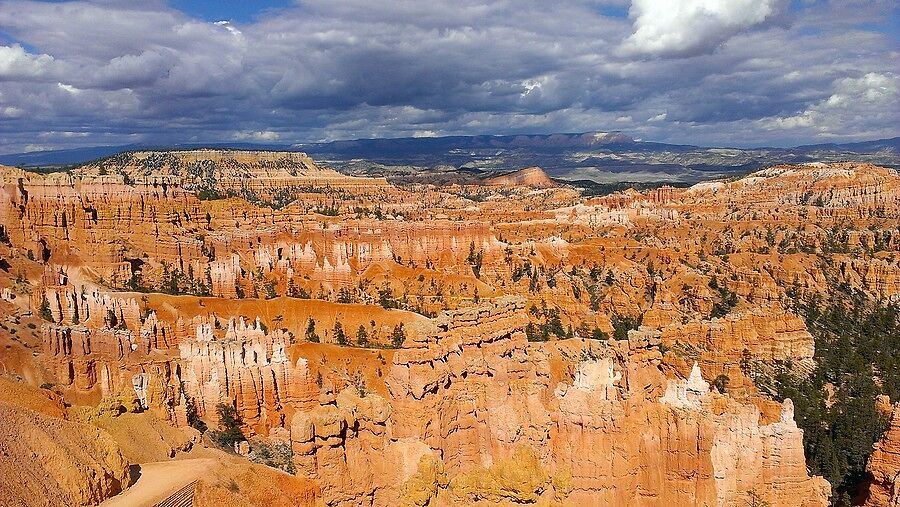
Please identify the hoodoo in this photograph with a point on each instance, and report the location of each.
(437, 350)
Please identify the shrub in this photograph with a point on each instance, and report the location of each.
(276, 455)
(721, 383)
(230, 423)
(599, 334)
(621, 326)
(345, 296)
(475, 259)
(534, 333)
(386, 297)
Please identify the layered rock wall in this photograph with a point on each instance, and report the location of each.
(248, 368)
(472, 392)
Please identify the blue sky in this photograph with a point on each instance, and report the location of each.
(708, 72)
(239, 11)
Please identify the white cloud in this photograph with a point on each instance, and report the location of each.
(228, 26)
(690, 27)
(873, 88)
(262, 135)
(128, 71)
(16, 63)
(805, 119)
(321, 69)
(11, 112)
(68, 88)
(854, 103)
(67, 134)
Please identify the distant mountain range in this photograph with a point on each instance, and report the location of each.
(602, 157)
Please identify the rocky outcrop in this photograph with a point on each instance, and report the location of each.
(877, 276)
(848, 190)
(88, 307)
(255, 171)
(344, 445)
(340, 255)
(452, 376)
(465, 395)
(458, 406)
(104, 363)
(57, 213)
(50, 461)
(529, 177)
(472, 392)
(767, 334)
(248, 368)
(884, 467)
(699, 441)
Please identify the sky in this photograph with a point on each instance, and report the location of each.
(707, 72)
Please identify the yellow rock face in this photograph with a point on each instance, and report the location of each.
(430, 478)
(520, 478)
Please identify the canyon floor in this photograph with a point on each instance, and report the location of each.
(254, 328)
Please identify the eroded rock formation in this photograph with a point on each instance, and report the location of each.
(884, 467)
(47, 460)
(445, 345)
(473, 393)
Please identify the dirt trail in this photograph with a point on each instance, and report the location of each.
(159, 480)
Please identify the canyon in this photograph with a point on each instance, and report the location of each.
(512, 341)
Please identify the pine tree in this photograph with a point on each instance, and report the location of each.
(398, 336)
(44, 311)
(362, 337)
(311, 331)
(339, 337)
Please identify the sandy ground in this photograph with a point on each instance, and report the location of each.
(159, 480)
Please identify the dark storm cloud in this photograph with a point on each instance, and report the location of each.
(712, 71)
